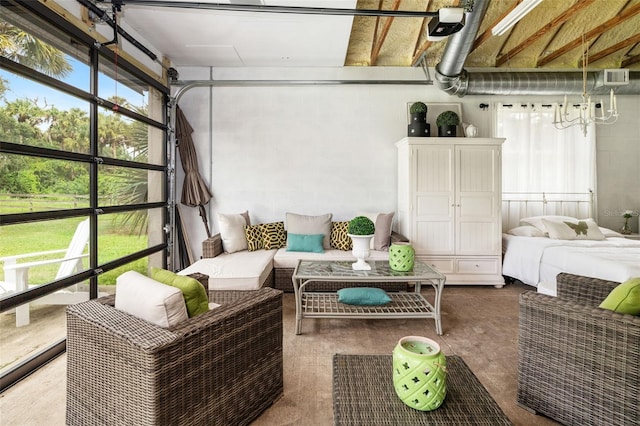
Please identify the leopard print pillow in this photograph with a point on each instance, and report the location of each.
(338, 238)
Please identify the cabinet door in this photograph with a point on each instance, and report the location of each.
(433, 201)
(477, 200)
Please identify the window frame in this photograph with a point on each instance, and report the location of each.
(99, 55)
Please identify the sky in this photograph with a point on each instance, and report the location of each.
(24, 88)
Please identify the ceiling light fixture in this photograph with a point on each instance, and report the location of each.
(586, 110)
(514, 16)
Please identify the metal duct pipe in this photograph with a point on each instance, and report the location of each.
(458, 47)
(452, 78)
(539, 83)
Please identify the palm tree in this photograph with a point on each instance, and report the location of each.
(22, 47)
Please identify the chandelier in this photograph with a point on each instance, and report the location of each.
(564, 119)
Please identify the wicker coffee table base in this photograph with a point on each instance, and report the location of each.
(363, 394)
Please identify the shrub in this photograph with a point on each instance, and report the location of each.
(418, 107)
(448, 118)
(361, 225)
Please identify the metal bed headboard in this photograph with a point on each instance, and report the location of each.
(525, 204)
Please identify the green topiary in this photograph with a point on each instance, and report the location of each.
(361, 225)
(448, 118)
(417, 107)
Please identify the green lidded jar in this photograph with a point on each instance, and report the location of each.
(419, 373)
(401, 257)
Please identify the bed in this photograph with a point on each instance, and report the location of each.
(533, 256)
(537, 260)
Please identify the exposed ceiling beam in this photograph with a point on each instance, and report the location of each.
(630, 61)
(486, 35)
(612, 49)
(559, 20)
(419, 49)
(383, 35)
(623, 16)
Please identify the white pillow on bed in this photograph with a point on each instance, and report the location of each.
(526, 231)
(610, 233)
(578, 229)
(537, 220)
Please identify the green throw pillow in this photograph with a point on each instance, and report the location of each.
(366, 296)
(195, 296)
(307, 243)
(625, 298)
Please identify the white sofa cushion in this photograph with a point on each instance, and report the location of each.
(150, 300)
(243, 270)
(289, 259)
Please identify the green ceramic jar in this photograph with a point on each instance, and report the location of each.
(401, 257)
(419, 373)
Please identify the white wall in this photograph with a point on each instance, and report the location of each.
(315, 149)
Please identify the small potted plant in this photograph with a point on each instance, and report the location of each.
(361, 229)
(448, 122)
(626, 228)
(418, 125)
(418, 111)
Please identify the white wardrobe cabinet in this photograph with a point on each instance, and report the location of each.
(449, 198)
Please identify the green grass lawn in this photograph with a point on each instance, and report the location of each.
(113, 242)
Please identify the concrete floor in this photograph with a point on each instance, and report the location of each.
(480, 325)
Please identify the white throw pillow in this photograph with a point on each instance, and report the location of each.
(610, 233)
(579, 229)
(537, 220)
(232, 231)
(310, 225)
(526, 231)
(150, 300)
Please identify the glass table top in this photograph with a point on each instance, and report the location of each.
(379, 270)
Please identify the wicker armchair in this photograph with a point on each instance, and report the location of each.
(578, 364)
(223, 367)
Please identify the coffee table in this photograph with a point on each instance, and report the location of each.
(403, 305)
(363, 394)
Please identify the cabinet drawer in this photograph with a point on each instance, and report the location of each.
(443, 266)
(478, 266)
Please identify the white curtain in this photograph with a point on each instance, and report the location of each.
(537, 157)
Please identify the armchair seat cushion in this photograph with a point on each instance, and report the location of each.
(243, 270)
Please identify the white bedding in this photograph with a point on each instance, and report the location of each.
(536, 261)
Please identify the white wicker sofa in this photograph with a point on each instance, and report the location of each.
(273, 267)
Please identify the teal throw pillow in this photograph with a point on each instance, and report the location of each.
(625, 298)
(311, 243)
(195, 296)
(365, 296)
